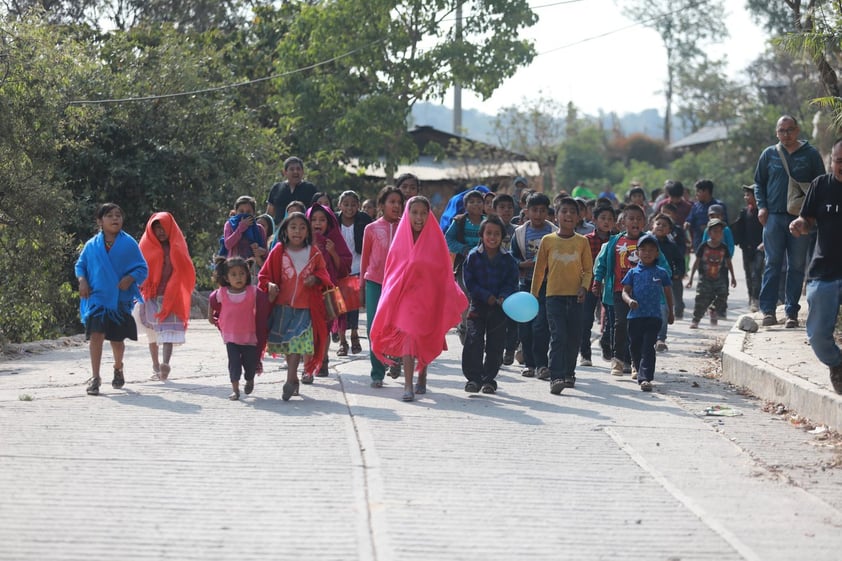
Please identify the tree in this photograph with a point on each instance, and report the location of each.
(684, 27)
(708, 97)
(364, 73)
(583, 157)
(535, 129)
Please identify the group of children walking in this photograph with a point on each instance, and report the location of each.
(400, 267)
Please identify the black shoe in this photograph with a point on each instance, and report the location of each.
(288, 391)
(472, 387)
(249, 386)
(488, 388)
(570, 382)
(543, 373)
(836, 377)
(93, 386)
(557, 386)
(119, 380)
(508, 358)
(394, 371)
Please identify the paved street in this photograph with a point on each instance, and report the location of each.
(176, 471)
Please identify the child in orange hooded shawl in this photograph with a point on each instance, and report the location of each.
(167, 291)
(420, 301)
(294, 275)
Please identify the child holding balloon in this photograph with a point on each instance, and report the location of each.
(490, 274)
(564, 260)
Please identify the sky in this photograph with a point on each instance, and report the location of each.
(622, 72)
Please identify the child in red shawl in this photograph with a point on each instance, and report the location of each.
(294, 275)
(327, 236)
(420, 301)
(167, 291)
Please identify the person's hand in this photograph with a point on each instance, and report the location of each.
(633, 305)
(762, 215)
(733, 282)
(580, 294)
(798, 227)
(84, 288)
(125, 282)
(671, 318)
(491, 300)
(272, 291)
(689, 284)
(213, 319)
(245, 223)
(330, 246)
(596, 288)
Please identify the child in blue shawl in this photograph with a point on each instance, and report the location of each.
(109, 270)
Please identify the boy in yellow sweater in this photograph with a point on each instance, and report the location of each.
(564, 259)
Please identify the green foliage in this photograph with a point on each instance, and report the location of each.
(649, 176)
(583, 157)
(718, 164)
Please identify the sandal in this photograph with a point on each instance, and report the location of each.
(306, 379)
(395, 371)
(408, 396)
(119, 380)
(355, 344)
(165, 371)
(234, 396)
(343, 349)
(289, 390)
(377, 384)
(93, 385)
(420, 389)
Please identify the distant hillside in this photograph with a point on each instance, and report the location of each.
(480, 126)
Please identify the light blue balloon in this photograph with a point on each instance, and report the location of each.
(521, 307)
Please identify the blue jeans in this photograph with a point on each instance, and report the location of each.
(662, 334)
(590, 306)
(823, 297)
(777, 243)
(535, 335)
(564, 316)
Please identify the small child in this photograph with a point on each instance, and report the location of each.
(462, 236)
(109, 270)
(241, 312)
(748, 234)
(504, 208)
(564, 260)
(295, 206)
(167, 291)
(242, 235)
(534, 335)
(377, 239)
(491, 275)
(584, 226)
(662, 227)
(420, 301)
(408, 184)
(488, 204)
(370, 208)
(293, 276)
(604, 225)
(712, 258)
(617, 257)
(352, 225)
(268, 224)
(679, 237)
(327, 237)
(644, 287)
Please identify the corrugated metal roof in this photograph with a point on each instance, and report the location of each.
(426, 168)
(704, 135)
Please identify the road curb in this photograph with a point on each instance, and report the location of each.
(773, 384)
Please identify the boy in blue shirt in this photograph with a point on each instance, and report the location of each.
(643, 287)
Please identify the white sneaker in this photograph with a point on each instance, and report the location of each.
(585, 362)
(616, 367)
(634, 373)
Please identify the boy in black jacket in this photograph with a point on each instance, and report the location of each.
(748, 234)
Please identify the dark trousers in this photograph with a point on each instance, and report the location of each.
(621, 337)
(606, 339)
(512, 331)
(643, 332)
(753, 261)
(484, 341)
(678, 297)
(588, 311)
(710, 291)
(535, 334)
(564, 317)
(242, 359)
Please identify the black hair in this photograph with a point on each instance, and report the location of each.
(282, 229)
(493, 220)
(674, 188)
(296, 203)
(503, 198)
(105, 208)
(704, 185)
(662, 216)
(420, 199)
(600, 209)
(406, 176)
(473, 193)
(319, 208)
(604, 201)
(567, 201)
(670, 207)
(386, 191)
(246, 200)
(634, 207)
(318, 195)
(349, 194)
(225, 265)
(538, 199)
(637, 191)
(293, 160)
(837, 141)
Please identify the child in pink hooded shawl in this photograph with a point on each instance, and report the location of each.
(420, 301)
